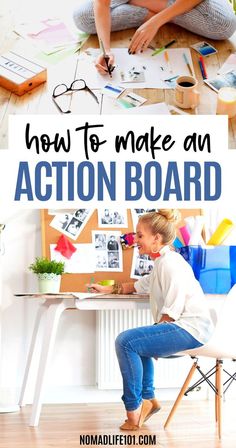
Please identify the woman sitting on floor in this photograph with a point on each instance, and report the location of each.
(212, 19)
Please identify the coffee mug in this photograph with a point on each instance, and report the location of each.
(186, 94)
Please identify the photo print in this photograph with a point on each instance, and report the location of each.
(141, 265)
(108, 251)
(137, 212)
(71, 224)
(223, 80)
(204, 48)
(112, 217)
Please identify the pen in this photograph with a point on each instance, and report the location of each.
(159, 50)
(91, 282)
(171, 79)
(106, 58)
(187, 63)
(203, 66)
(167, 59)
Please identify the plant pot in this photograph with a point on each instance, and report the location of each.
(49, 283)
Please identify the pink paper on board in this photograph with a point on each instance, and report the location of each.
(65, 247)
(185, 234)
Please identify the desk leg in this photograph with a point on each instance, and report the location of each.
(39, 316)
(51, 323)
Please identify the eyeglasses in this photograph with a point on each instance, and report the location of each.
(62, 89)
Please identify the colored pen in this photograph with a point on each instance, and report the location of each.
(203, 66)
(91, 282)
(106, 59)
(159, 50)
(171, 79)
(188, 65)
(167, 59)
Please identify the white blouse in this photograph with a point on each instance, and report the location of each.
(174, 291)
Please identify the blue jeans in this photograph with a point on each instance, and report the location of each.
(135, 349)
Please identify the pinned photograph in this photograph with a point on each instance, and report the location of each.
(141, 265)
(110, 217)
(204, 48)
(137, 212)
(70, 224)
(108, 251)
(61, 221)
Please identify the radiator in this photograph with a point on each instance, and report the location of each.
(168, 372)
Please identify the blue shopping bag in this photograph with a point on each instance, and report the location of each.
(214, 267)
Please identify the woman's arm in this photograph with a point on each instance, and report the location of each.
(119, 288)
(146, 32)
(103, 26)
(103, 21)
(166, 318)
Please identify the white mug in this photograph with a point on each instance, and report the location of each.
(186, 94)
(226, 102)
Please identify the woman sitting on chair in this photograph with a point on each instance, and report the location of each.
(212, 19)
(179, 309)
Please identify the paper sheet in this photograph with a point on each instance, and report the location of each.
(157, 108)
(50, 35)
(112, 107)
(86, 295)
(81, 262)
(155, 68)
(229, 64)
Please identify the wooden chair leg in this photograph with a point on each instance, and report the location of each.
(181, 394)
(220, 395)
(216, 394)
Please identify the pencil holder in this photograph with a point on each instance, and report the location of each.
(213, 267)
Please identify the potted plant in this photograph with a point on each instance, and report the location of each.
(49, 274)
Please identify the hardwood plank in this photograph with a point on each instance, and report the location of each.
(61, 425)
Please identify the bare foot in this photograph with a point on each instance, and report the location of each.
(133, 416)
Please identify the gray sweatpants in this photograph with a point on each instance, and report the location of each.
(214, 19)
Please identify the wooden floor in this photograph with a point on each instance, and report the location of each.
(62, 425)
(39, 100)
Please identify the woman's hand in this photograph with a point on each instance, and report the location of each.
(95, 287)
(100, 63)
(144, 35)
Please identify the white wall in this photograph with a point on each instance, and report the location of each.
(73, 362)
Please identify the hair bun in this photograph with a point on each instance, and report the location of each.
(171, 214)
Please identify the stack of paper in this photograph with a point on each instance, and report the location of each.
(51, 36)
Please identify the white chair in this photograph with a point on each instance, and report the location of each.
(222, 345)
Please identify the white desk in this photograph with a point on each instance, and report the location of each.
(49, 315)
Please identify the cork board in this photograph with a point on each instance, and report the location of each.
(76, 282)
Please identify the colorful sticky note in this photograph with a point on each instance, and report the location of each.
(65, 247)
